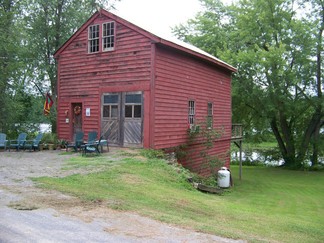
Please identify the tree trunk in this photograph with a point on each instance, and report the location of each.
(313, 123)
(316, 141)
(288, 157)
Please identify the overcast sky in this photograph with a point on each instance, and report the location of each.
(157, 16)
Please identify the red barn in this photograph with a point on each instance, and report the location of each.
(138, 89)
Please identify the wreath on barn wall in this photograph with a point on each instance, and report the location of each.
(77, 110)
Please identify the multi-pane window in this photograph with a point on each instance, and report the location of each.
(110, 106)
(209, 115)
(93, 38)
(191, 113)
(108, 36)
(133, 106)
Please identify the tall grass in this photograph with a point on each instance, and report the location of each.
(268, 205)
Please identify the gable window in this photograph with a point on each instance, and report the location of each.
(191, 113)
(108, 36)
(209, 115)
(93, 38)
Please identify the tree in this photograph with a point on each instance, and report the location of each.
(10, 65)
(278, 54)
(32, 30)
(318, 12)
(50, 23)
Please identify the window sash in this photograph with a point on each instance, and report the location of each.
(110, 111)
(108, 36)
(111, 99)
(93, 38)
(210, 109)
(210, 115)
(191, 113)
(133, 105)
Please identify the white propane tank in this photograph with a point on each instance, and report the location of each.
(223, 177)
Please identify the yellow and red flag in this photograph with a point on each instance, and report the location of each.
(48, 104)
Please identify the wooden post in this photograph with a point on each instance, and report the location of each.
(237, 137)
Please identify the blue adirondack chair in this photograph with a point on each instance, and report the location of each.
(78, 141)
(92, 137)
(19, 143)
(3, 141)
(34, 144)
(92, 147)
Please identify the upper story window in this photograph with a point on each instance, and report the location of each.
(108, 36)
(103, 36)
(93, 38)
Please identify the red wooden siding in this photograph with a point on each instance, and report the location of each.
(84, 77)
(180, 78)
(195, 162)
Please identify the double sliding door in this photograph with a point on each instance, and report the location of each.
(122, 118)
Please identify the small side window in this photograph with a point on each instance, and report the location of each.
(209, 115)
(191, 113)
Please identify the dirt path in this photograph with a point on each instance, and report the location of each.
(31, 214)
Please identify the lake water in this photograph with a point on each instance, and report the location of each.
(45, 127)
(271, 158)
(258, 157)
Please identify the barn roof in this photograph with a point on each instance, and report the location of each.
(156, 38)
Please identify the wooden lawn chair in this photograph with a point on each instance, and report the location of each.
(92, 137)
(78, 141)
(19, 143)
(3, 141)
(92, 147)
(34, 144)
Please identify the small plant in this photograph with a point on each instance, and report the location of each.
(180, 151)
(193, 131)
(49, 140)
(207, 181)
(153, 154)
(62, 143)
(205, 135)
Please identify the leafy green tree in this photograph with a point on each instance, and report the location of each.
(317, 14)
(10, 65)
(31, 31)
(277, 51)
(49, 24)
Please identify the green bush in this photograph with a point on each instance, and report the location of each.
(50, 138)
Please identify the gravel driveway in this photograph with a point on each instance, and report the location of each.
(30, 214)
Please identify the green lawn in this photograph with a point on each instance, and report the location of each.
(268, 205)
